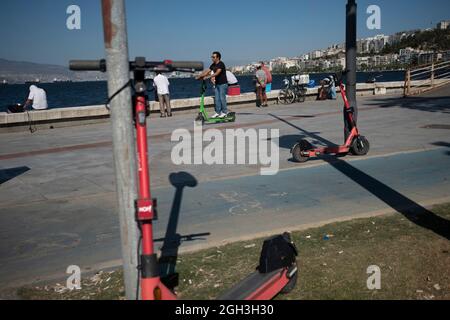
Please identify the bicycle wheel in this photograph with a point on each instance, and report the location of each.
(290, 96)
(286, 96)
(301, 97)
(301, 94)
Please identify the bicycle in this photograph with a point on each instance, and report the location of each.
(292, 93)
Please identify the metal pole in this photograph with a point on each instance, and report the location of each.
(409, 81)
(432, 74)
(124, 145)
(407, 85)
(350, 49)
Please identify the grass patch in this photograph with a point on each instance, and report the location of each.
(414, 264)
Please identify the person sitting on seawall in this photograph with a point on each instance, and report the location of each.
(234, 89)
(327, 89)
(37, 98)
(161, 84)
(231, 78)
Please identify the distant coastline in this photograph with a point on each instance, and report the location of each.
(95, 92)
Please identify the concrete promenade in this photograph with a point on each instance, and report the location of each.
(63, 117)
(57, 194)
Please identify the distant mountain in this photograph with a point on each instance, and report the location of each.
(21, 71)
(7, 66)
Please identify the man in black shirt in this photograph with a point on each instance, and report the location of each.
(218, 75)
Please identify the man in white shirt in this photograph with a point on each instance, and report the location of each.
(37, 99)
(231, 78)
(161, 83)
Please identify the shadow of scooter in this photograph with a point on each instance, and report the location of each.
(172, 240)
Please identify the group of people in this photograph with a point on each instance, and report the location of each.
(223, 78)
(217, 72)
(220, 77)
(263, 79)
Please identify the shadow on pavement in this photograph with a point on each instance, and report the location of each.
(172, 240)
(9, 174)
(429, 104)
(400, 203)
(443, 144)
(288, 141)
(264, 115)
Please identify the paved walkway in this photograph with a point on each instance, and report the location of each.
(57, 194)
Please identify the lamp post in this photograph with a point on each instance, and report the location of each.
(350, 51)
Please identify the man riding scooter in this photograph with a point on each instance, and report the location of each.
(217, 73)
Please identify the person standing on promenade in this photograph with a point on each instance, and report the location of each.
(268, 76)
(217, 71)
(261, 81)
(161, 83)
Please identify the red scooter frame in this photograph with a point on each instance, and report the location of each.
(151, 286)
(354, 143)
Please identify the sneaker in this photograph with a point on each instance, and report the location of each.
(215, 115)
(222, 115)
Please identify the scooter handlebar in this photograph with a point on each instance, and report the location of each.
(88, 65)
(188, 65)
(164, 66)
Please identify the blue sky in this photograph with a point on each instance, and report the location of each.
(243, 30)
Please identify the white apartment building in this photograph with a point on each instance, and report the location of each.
(443, 25)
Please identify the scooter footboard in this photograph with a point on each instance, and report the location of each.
(277, 272)
(258, 286)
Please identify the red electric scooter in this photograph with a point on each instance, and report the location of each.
(354, 143)
(277, 270)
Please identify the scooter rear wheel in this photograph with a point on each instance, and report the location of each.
(291, 284)
(360, 146)
(231, 116)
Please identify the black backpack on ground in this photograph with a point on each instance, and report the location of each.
(277, 252)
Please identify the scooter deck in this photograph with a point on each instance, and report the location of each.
(223, 120)
(254, 282)
(230, 118)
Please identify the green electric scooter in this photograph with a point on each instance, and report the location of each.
(203, 115)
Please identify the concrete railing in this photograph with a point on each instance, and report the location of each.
(60, 117)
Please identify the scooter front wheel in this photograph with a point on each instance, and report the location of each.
(298, 149)
(200, 118)
(360, 146)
